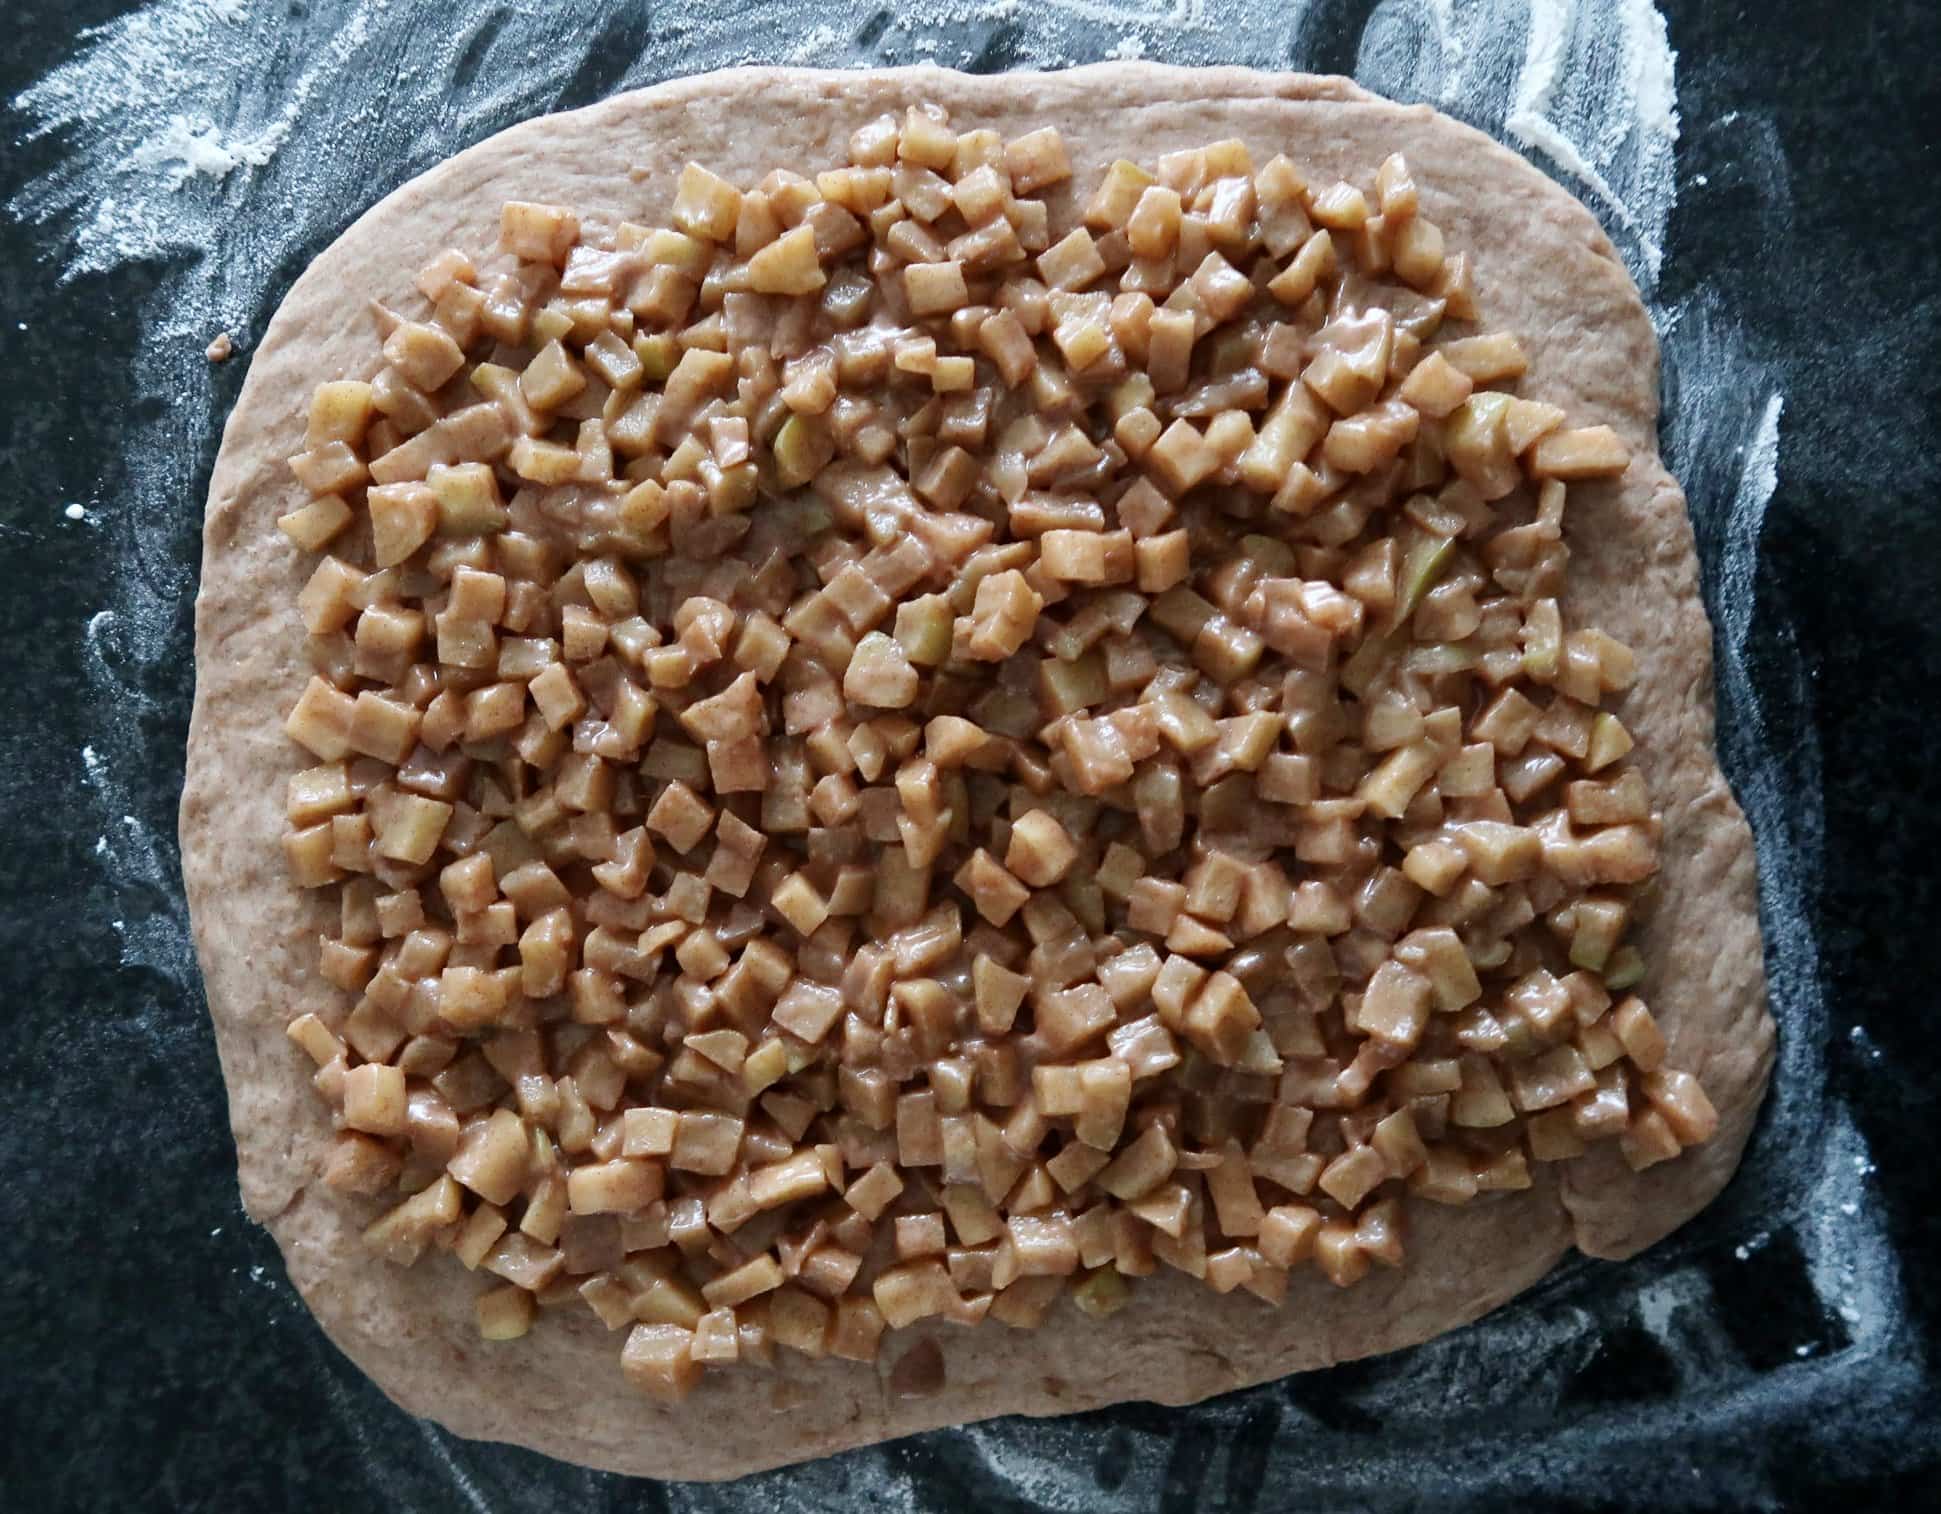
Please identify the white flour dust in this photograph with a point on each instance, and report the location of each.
(183, 150)
(140, 102)
(222, 142)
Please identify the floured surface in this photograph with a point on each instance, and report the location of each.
(1786, 1318)
(1547, 272)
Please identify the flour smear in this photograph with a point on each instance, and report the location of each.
(219, 143)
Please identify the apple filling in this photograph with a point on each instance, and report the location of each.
(927, 738)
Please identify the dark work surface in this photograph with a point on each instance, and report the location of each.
(1772, 1354)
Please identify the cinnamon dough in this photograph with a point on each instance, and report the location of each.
(1546, 271)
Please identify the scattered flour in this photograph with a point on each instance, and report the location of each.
(1659, 1301)
(1854, 1267)
(816, 44)
(181, 151)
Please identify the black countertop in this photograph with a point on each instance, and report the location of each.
(1773, 1354)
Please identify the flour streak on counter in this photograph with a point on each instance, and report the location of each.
(221, 143)
(183, 150)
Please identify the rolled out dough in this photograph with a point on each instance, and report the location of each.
(1546, 271)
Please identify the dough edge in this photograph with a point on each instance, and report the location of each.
(560, 1391)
